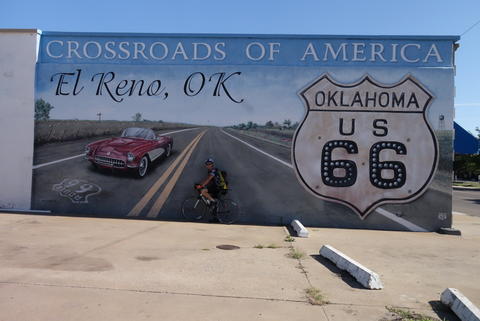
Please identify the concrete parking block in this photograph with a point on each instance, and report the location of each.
(364, 276)
(460, 304)
(299, 228)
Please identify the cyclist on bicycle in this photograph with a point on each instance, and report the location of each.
(209, 188)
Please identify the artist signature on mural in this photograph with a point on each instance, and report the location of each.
(77, 190)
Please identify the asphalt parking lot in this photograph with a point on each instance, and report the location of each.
(466, 202)
(67, 268)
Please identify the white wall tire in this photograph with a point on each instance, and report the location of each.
(143, 167)
(169, 150)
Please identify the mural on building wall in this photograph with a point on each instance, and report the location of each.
(335, 132)
(363, 122)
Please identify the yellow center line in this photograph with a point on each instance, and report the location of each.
(155, 210)
(155, 187)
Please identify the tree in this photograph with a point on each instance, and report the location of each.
(478, 132)
(42, 109)
(137, 117)
(269, 124)
(467, 166)
(287, 123)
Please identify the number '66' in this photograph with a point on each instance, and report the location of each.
(376, 167)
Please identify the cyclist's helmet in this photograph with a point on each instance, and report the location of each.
(209, 161)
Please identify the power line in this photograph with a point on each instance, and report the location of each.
(470, 28)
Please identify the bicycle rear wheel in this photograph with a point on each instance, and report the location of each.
(227, 211)
(193, 209)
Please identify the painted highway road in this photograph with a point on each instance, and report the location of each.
(53, 153)
(119, 191)
(260, 175)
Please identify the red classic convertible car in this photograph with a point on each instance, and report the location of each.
(134, 150)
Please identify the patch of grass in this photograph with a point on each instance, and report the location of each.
(205, 249)
(296, 254)
(273, 246)
(146, 258)
(288, 238)
(466, 184)
(315, 296)
(269, 246)
(405, 315)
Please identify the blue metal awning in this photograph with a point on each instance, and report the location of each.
(464, 143)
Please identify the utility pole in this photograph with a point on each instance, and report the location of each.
(99, 116)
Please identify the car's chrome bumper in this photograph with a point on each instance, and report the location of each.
(110, 162)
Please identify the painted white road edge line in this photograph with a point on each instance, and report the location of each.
(460, 305)
(267, 140)
(364, 276)
(459, 213)
(409, 225)
(57, 161)
(72, 157)
(178, 131)
(412, 227)
(259, 150)
(299, 228)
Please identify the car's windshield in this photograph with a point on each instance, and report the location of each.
(144, 133)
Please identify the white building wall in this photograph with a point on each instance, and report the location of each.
(18, 55)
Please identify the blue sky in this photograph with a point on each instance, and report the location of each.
(276, 102)
(289, 17)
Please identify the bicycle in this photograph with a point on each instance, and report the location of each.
(196, 207)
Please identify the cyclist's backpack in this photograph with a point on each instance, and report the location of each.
(222, 181)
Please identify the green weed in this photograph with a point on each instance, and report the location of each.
(296, 254)
(315, 297)
(405, 315)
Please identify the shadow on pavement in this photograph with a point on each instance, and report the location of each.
(291, 231)
(443, 312)
(347, 278)
(474, 201)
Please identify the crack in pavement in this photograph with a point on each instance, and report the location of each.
(150, 291)
(27, 284)
(128, 237)
(304, 272)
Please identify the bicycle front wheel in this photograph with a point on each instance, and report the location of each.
(227, 211)
(193, 209)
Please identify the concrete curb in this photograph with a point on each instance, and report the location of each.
(299, 228)
(460, 305)
(449, 231)
(364, 276)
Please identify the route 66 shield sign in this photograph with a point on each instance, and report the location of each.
(365, 144)
(77, 190)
